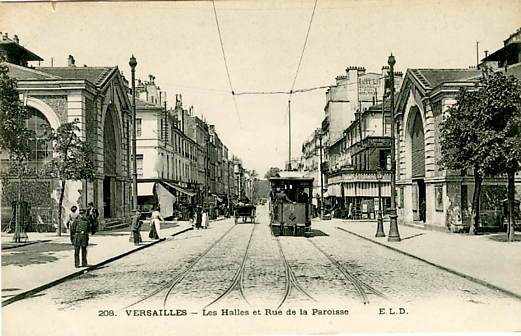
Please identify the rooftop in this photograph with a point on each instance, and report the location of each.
(95, 75)
(430, 78)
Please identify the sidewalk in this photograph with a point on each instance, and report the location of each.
(487, 259)
(47, 259)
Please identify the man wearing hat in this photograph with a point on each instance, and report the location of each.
(79, 231)
(135, 226)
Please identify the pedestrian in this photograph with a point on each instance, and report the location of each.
(155, 224)
(92, 216)
(72, 216)
(79, 231)
(205, 219)
(135, 226)
(198, 217)
(423, 210)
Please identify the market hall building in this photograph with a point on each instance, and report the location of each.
(429, 196)
(425, 96)
(97, 98)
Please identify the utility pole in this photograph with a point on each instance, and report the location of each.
(289, 132)
(133, 64)
(394, 235)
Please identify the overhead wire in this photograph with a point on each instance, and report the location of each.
(288, 113)
(304, 47)
(226, 63)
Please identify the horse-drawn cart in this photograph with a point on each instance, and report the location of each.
(245, 211)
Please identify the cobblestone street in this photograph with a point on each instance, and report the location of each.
(231, 269)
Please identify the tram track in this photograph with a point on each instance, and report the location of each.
(238, 279)
(361, 287)
(291, 280)
(177, 279)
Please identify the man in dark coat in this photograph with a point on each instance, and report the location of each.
(79, 231)
(280, 198)
(92, 217)
(135, 226)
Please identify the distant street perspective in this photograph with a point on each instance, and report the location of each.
(257, 167)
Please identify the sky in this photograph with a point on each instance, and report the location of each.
(179, 43)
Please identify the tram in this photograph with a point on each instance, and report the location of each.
(290, 204)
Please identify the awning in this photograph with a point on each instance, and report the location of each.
(184, 191)
(335, 190)
(366, 189)
(145, 189)
(166, 201)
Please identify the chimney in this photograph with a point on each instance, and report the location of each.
(71, 61)
(16, 39)
(6, 37)
(486, 53)
(151, 79)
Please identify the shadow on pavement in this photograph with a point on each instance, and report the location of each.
(34, 254)
(318, 233)
(503, 238)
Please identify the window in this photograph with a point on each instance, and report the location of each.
(139, 164)
(41, 151)
(138, 127)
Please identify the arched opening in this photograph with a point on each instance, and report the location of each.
(417, 140)
(110, 155)
(41, 150)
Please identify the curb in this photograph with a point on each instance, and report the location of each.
(43, 287)
(463, 275)
(9, 247)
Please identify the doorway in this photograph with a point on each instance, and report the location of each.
(419, 200)
(107, 193)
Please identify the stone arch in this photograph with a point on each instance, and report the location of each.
(45, 109)
(414, 134)
(112, 158)
(414, 123)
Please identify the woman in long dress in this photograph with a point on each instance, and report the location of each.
(155, 224)
(205, 221)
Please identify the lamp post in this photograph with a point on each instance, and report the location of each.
(380, 227)
(394, 235)
(133, 64)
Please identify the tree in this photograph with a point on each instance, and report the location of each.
(14, 135)
(72, 159)
(478, 130)
(502, 96)
(273, 172)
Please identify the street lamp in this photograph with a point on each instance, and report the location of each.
(133, 64)
(380, 228)
(394, 235)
